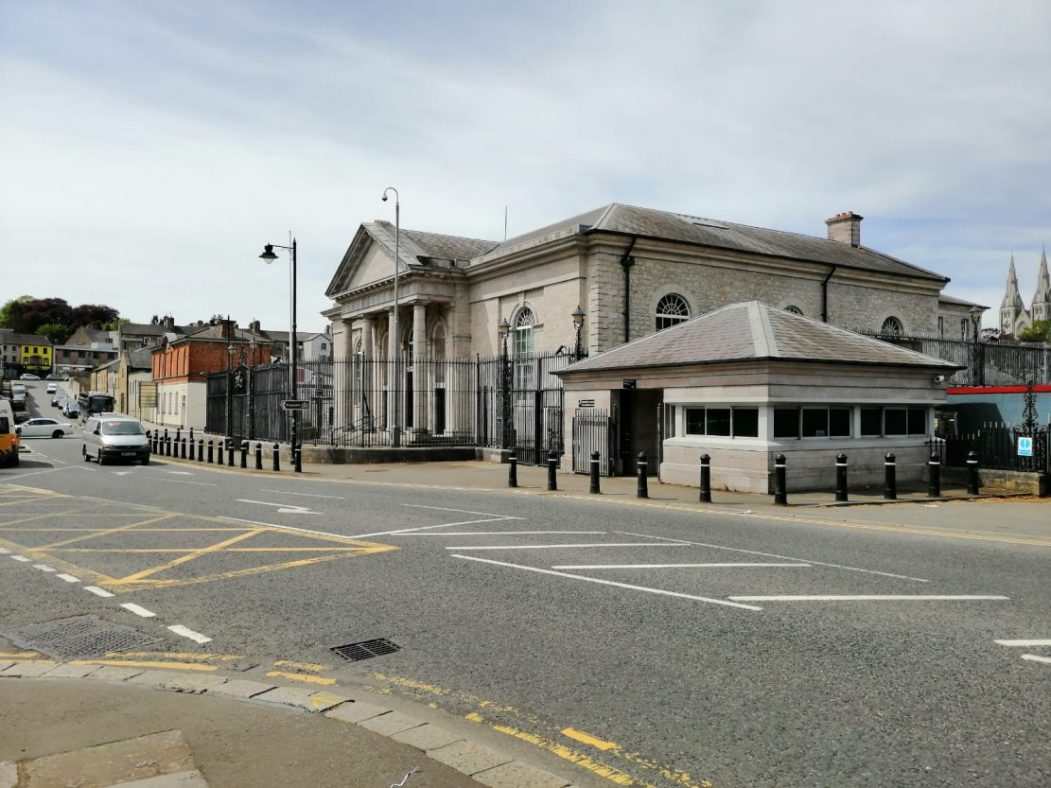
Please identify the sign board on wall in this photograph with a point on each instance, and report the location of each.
(586, 403)
(1025, 446)
(629, 383)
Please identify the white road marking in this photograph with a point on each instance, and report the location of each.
(1035, 658)
(402, 531)
(197, 484)
(197, 637)
(98, 591)
(139, 611)
(670, 566)
(49, 470)
(121, 473)
(44, 567)
(501, 533)
(69, 578)
(565, 546)
(283, 508)
(782, 557)
(307, 495)
(21, 558)
(4, 551)
(286, 527)
(1024, 643)
(628, 586)
(869, 598)
(462, 511)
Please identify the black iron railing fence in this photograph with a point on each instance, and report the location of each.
(359, 401)
(998, 447)
(983, 363)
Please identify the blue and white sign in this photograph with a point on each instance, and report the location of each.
(1025, 446)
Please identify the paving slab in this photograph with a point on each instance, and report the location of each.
(192, 779)
(114, 673)
(179, 682)
(70, 671)
(389, 724)
(110, 764)
(356, 711)
(468, 758)
(28, 669)
(241, 689)
(519, 775)
(8, 774)
(301, 698)
(427, 737)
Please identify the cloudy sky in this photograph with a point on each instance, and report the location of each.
(149, 148)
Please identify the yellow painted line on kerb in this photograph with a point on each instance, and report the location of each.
(310, 667)
(18, 654)
(187, 655)
(130, 663)
(587, 738)
(303, 677)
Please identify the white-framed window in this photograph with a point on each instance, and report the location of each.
(812, 421)
(522, 335)
(893, 420)
(892, 327)
(723, 421)
(941, 326)
(965, 328)
(795, 310)
(672, 309)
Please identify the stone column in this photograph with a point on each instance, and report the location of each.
(419, 377)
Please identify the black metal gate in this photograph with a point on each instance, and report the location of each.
(593, 430)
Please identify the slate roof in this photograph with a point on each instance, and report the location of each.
(948, 299)
(664, 225)
(11, 338)
(140, 358)
(413, 244)
(753, 331)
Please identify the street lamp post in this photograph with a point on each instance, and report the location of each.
(578, 324)
(269, 256)
(978, 375)
(505, 384)
(395, 376)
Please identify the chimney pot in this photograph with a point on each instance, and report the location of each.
(845, 228)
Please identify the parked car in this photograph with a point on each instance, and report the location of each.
(115, 438)
(28, 376)
(58, 400)
(71, 409)
(45, 428)
(54, 376)
(52, 388)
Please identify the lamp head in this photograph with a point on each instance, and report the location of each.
(384, 197)
(504, 327)
(268, 254)
(578, 316)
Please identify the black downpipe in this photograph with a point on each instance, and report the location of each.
(824, 295)
(626, 262)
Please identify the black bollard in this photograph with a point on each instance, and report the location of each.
(642, 490)
(512, 469)
(706, 479)
(244, 454)
(259, 456)
(230, 452)
(972, 473)
(200, 450)
(210, 455)
(178, 435)
(167, 446)
(219, 446)
(594, 488)
(841, 477)
(151, 441)
(191, 435)
(182, 449)
(890, 477)
(192, 458)
(934, 465)
(780, 481)
(165, 438)
(277, 457)
(297, 458)
(552, 464)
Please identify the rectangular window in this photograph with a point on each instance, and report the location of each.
(917, 421)
(839, 422)
(872, 422)
(718, 421)
(746, 422)
(815, 423)
(695, 421)
(895, 421)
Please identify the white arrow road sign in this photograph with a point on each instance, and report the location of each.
(281, 507)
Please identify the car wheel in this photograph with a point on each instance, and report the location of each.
(145, 460)
(84, 454)
(57, 434)
(101, 460)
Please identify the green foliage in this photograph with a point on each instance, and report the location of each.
(56, 332)
(1040, 331)
(29, 315)
(11, 311)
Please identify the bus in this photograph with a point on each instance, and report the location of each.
(93, 402)
(8, 436)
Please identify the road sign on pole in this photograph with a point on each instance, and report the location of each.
(294, 404)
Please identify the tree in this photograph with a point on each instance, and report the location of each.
(1040, 331)
(93, 315)
(11, 312)
(56, 332)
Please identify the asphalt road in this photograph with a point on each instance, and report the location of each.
(669, 646)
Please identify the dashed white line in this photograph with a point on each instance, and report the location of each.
(628, 586)
(137, 610)
(69, 578)
(197, 637)
(1024, 643)
(461, 511)
(502, 533)
(672, 566)
(21, 558)
(402, 531)
(196, 484)
(870, 598)
(44, 568)
(565, 546)
(98, 591)
(1035, 658)
(307, 495)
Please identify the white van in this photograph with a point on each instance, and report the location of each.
(114, 437)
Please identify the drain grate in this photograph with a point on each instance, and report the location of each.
(366, 649)
(80, 636)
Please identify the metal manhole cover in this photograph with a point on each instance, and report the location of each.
(366, 649)
(80, 636)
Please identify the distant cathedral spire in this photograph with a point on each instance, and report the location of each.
(1041, 307)
(1013, 315)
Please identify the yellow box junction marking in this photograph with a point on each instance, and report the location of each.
(213, 536)
(587, 738)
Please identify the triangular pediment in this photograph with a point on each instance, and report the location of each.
(365, 261)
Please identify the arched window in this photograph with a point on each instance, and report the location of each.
(795, 310)
(671, 310)
(523, 332)
(892, 327)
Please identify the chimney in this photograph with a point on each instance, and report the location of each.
(168, 321)
(845, 228)
(254, 327)
(226, 328)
